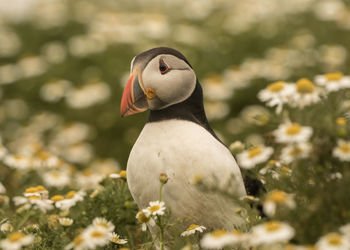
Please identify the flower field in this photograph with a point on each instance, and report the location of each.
(276, 82)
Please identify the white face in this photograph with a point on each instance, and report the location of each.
(171, 78)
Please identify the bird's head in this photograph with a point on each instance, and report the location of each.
(159, 78)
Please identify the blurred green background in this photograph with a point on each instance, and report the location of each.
(63, 62)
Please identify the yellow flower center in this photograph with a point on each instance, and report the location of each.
(345, 148)
(97, 234)
(276, 86)
(122, 174)
(56, 175)
(277, 196)
(334, 239)
(334, 76)
(34, 197)
(78, 240)
(142, 217)
(254, 151)
(293, 129)
(305, 86)
(16, 236)
(40, 188)
(44, 155)
(87, 172)
(31, 190)
(237, 233)
(71, 194)
(56, 198)
(272, 226)
(218, 233)
(102, 224)
(18, 157)
(192, 226)
(115, 239)
(341, 121)
(154, 208)
(295, 151)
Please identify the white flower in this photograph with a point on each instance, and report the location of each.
(276, 94)
(79, 243)
(56, 178)
(102, 222)
(155, 208)
(333, 241)
(345, 230)
(3, 151)
(292, 133)
(333, 81)
(18, 161)
(66, 222)
(122, 174)
(32, 66)
(65, 203)
(192, 229)
(271, 232)
(251, 157)
(115, 238)
(277, 198)
(305, 94)
(342, 150)
(295, 151)
(95, 236)
(55, 90)
(16, 240)
(144, 218)
(216, 89)
(2, 188)
(220, 238)
(45, 159)
(6, 227)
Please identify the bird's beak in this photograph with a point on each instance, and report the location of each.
(134, 99)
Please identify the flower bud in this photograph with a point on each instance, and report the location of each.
(163, 178)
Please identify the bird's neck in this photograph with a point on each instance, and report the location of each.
(191, 109)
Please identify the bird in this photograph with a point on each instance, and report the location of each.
(178, 141)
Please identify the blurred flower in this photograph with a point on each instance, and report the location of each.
(255, 114)
(88, 179)
(333, 81)
(50, 14)
(83, 45)
(95, 237)
(33, 201)
(345, 229)
(333, 241)
(88, 95)
(342, 150)
(251, 157)
(276, 94)
(54, 52)
(115, 238)
(78, 153)
(79, 243)
(2, 188)
(305, 94)
(155, 208)
(105, 166)
(56, 178)
(271, 232)
(16, 240)
(329, 10)
(72, 133)
(18, 161)
(277, 198)
(66, 222)
(144, 218)
(6, 227)
(55, 90)
(293, 152)
(9, 73)
(102, 222)
(220, 238)
(192, 229)
(215, 88)
(236, 147)
(216, 110)
(9, 42)
(31, 66)
(332, 56)
(292, 133)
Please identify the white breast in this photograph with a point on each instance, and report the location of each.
(184, 150)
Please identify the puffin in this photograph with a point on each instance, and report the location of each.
(178, 141)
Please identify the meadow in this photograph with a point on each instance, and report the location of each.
(276, 81)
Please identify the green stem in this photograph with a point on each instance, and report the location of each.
(161, 232)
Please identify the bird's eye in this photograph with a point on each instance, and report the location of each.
(163, 68)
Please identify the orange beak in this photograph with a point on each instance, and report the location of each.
(134, 99)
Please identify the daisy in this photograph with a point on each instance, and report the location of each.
(34, 201)
(293, 152)
(271, 232)
(65, 203)
(253, 156)
(39, 191)
(192, 229)
(66, 222)
(115, 238)
(56, 178)
(79, 243)
(102, 222)
(342, 150)
(122, 174)
(18, 161)
(6, 227)
(88, 179)
(45, 159)
(333, 241)
(16, 240)
(333, 81)
(144, 218)
(275, 198)
(276, 94)
(155, 208)
(292, 133)
(95, 236)
(305, 94)
(220, 238)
